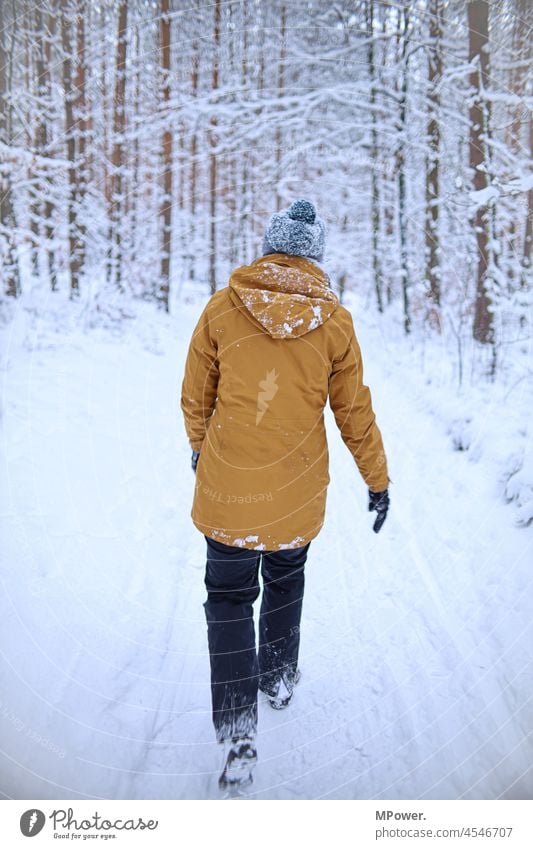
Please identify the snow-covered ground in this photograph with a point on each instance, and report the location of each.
(417, 644)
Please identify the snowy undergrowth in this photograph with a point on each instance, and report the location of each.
(489, 420)
(44, 320)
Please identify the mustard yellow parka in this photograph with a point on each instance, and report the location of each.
(265, 355)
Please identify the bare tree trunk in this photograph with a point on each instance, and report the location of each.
(374, 157)
(478, 30)
(231, 160)
(260, 88)
(31, 121)
(179, 181)
(516, 84)
(115, 258)
(403, 25)
(523, 23)
(193, 174)
(281, 91)
(343, 277)
(432, 166)
(9, 264)
(80, 116)
(107, 123)
(72, 193)
(528, 231)
(165, 211)
(244, 212)
(136, 187)
(389, 223)
(45, 33)
(213, 158)
(41, 128)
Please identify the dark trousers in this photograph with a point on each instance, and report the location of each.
(237, 669)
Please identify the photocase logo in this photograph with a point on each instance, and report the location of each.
(32, 822)
(267, 391)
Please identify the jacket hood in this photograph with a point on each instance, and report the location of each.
(288, 295)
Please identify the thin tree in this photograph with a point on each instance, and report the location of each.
(165, 211)
(115, 259)
(433, 156)
(135, 211)
(281, 92)
(524, 21)
(8, 225)
(374, 159)
(74, 257)
(244, 207)
(231, 161)
(45, 28)
(213, 156)
(528, 229)
(193, 170)
(32, 122)
(401, 165)
(79, 107)
(478, 56)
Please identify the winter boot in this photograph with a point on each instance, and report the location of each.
(240, 758)
(280, 697)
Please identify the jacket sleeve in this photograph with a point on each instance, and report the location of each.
(200, 382)
(351, 403)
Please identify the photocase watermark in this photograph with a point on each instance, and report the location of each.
(9, 715)
(233, 498)
(32, 822)
(268, 389)
(65, 825)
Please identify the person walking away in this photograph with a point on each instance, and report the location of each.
(268, 351)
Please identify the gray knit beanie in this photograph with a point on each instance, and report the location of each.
(297, 231)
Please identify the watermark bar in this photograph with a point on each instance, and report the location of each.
(358, 824)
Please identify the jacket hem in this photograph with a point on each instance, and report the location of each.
(255, 541)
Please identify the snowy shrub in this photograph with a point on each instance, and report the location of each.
(460, 434)
(519, 488)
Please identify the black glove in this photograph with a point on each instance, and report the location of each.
(194, 460)
(379, 501)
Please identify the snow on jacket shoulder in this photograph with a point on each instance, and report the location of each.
(267, 352)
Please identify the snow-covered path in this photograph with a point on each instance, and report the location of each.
(417, 644)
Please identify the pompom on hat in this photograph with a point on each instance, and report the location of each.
(297, 231)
